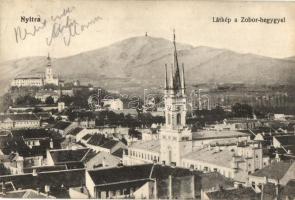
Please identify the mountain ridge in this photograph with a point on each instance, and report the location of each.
(138, 62)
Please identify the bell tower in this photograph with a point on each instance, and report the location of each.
(175, 138)
(48, 72)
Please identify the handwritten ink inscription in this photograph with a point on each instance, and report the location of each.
(58, 26)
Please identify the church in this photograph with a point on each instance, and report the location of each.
(178, 146)
(37, 80)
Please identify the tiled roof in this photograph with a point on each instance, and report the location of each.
(119, 152)
(236, 193)
(68, 178)
(86, 137)
(45, 168)
(109, 159)
(286, 140)
(213, 179)
(61, 125)
(119, 174)
(135, 173)
(31, 133)
(26, 194)
(68, 155)
(19, 117)
(150, 145)
(75, 131)
(221, 158)
(102, 141)
(96, 139)
(109, 144)
(205, 134)
(275, 170)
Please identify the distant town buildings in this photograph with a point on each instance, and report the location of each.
(19, 120)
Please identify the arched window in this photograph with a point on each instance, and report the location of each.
(178, 118)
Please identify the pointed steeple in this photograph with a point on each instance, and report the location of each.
(166, 78)
(182, 78)
(176, 77)
(48, 60)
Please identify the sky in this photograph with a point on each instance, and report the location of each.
(119, 20)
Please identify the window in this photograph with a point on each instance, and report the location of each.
(178, 119)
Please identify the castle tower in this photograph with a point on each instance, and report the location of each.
(175, 138)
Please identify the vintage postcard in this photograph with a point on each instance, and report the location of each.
(147, 99)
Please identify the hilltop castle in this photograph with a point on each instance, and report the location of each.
(36, 80)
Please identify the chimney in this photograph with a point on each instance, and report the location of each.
(51, 144)
(104, 162)
(47, 189)
(35, 172)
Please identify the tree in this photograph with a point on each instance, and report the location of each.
(49, 100)
(27, 100)
(242, 110)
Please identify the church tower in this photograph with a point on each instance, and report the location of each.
(48, 71)
(175, 138)
(49, 77)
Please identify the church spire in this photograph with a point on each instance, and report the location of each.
(166, 78)
(176, 77)
(48, 60)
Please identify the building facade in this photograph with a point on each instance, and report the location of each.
(36, 80)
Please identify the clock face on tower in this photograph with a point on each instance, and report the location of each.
(169, 108)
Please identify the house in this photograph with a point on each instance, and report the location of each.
(19, 120)
(101, 159)
(73, 133)
(141, 181)
(34, 137)
(63, 127)
(231, 194)
(234, 162)
(26, 194)
(99, 142)
(53, 183)
(143, 152)
(285, 142)
(72, 158)
(277, 173)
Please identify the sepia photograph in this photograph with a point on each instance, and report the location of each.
(147, 99)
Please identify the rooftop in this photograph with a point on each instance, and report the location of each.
(75, 131)
(61, 156)
(286, 140)
(149, 145)
(275, 170)
(236, 193)
(31, 133)
(221, 158)
(68, 178)
(18, 117)
(27, 194)
(205, 134)
(135, 173)
(61, 125)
